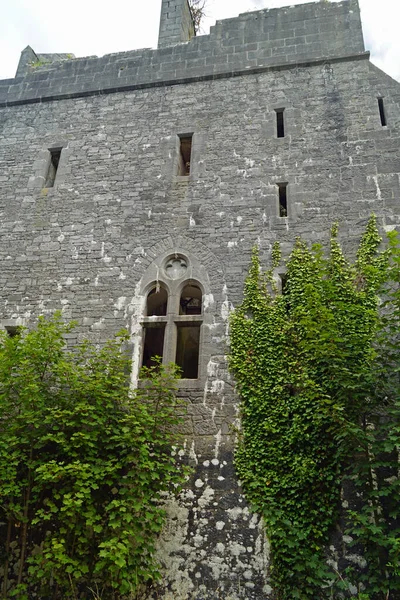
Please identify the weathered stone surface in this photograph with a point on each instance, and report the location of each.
(92, 243)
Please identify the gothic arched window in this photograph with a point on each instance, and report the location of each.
(173, 319)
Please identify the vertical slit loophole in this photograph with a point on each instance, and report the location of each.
(280, 124)
(382, 112)
(282, 187)
(185, 154)
(55, 155)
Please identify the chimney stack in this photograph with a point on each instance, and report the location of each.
(176, 23)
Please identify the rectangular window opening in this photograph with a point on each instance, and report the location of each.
(12, 330)
(185, 153)
(382, 112)
(188, 349)
(280, 123)
(283, 278)
(283, 211)
(55, 155)
(153, 343)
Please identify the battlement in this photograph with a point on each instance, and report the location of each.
(260, 40)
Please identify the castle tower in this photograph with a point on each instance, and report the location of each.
(162, 168)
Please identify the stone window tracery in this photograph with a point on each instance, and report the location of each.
(172, 325)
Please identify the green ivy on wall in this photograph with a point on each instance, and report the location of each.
(305, 362)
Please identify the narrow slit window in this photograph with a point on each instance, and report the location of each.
(382, 112)
(185, 154)
(283, 209)
(153, 343)
(280, 123)
(55, 154)
(188, 349)
(283, 278)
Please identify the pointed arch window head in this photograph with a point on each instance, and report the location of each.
(191, 300)
(157, 300)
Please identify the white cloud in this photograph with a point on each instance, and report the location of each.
(89, 27)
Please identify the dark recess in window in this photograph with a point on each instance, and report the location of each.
(187, 349)
(282, 187)
(153, 343)
(185, 154)
(190, 303)
(55, 154)
(157, 302)
(283, 277)
(12, 330)
(382, 112)
(280, 123)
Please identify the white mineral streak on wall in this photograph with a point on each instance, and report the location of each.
(181, 559)
(218, 440)
(226, 309)
(378, 189)
(134, 310)
(208, 301)
(173, 541)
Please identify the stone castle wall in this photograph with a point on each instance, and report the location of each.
(253, 41)
(90, 244)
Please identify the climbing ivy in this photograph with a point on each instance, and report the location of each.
(305, 363)
(372, 443)
(84, 462)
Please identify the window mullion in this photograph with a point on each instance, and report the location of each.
(170, 341)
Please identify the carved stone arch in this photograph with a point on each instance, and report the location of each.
(196, 251)
(173, 263)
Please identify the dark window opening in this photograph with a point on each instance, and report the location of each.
(282, 199)
(280, 124)
(188, 349)
(12, 330)
(153, 343)
(185, 153)
(190, 302)
(55, 154)
(283, 277)
(382, 112)
(157, 302)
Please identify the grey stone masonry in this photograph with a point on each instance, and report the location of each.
(176, 23)
(30, 60)
(94, 207)
(270, 38)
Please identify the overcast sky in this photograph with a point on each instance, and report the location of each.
(92, 27)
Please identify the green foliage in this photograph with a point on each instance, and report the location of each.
(38, 63)
(306, 366)
(374, 438)
(84, 462)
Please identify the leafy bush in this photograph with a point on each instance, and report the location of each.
(84, 461)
